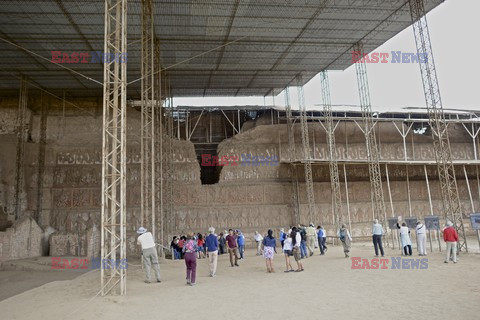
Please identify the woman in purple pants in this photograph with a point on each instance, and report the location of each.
(190, 250)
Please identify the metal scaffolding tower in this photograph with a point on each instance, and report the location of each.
(438, 125)
(306, 150)
(373, 156)
(291, 155)
(147, 176)
(113, 238)
(19, 162)
(332, 156)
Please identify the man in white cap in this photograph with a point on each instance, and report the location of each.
(450, 236)
(149, 253)
(421, 239)
(212, 250)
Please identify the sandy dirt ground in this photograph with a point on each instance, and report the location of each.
(328, 288)
(15, 282)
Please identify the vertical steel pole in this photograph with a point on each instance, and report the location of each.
(332, 155)
(113, 233)
(306, 150)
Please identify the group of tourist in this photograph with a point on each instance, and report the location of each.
(450, 236)
(178, 242)
(299, 242)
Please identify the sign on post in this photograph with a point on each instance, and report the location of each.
(475, 221)
(411, 222)
(392, 223)
(432, 222)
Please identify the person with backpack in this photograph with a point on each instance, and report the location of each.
(320, 240)
(303, 243)
(345, 239)
(269, 248)
(190, 249)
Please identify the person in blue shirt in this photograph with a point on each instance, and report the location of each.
(283, 236)
(320, 240)
(269, 248)
(211, 242)
(241, 243)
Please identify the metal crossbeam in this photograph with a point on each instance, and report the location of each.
(332, 156)
(113, 232)
(291, 155)
(438, 125)
(147, 175)
(373, 156)
(306, 150)
(19, 162)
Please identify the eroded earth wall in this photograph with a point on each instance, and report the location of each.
(246, 197)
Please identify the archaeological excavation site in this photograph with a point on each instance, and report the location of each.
(110, 175)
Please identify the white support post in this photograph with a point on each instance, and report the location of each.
(113, 215)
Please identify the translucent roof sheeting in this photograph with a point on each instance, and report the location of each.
(210, 47)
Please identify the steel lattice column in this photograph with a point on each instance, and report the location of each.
(19, 162)
(291, 155)
(113, 237)
(373, 155)
(306, 150)
(147, 176)
(438, 125)
(332, 156)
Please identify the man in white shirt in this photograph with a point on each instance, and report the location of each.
(377, 233)
(324, 240)
(258, 240)
(149, 253)
(311, 235)
(296, 241)
(421, 239)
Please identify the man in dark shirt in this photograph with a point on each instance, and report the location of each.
(232, 247)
